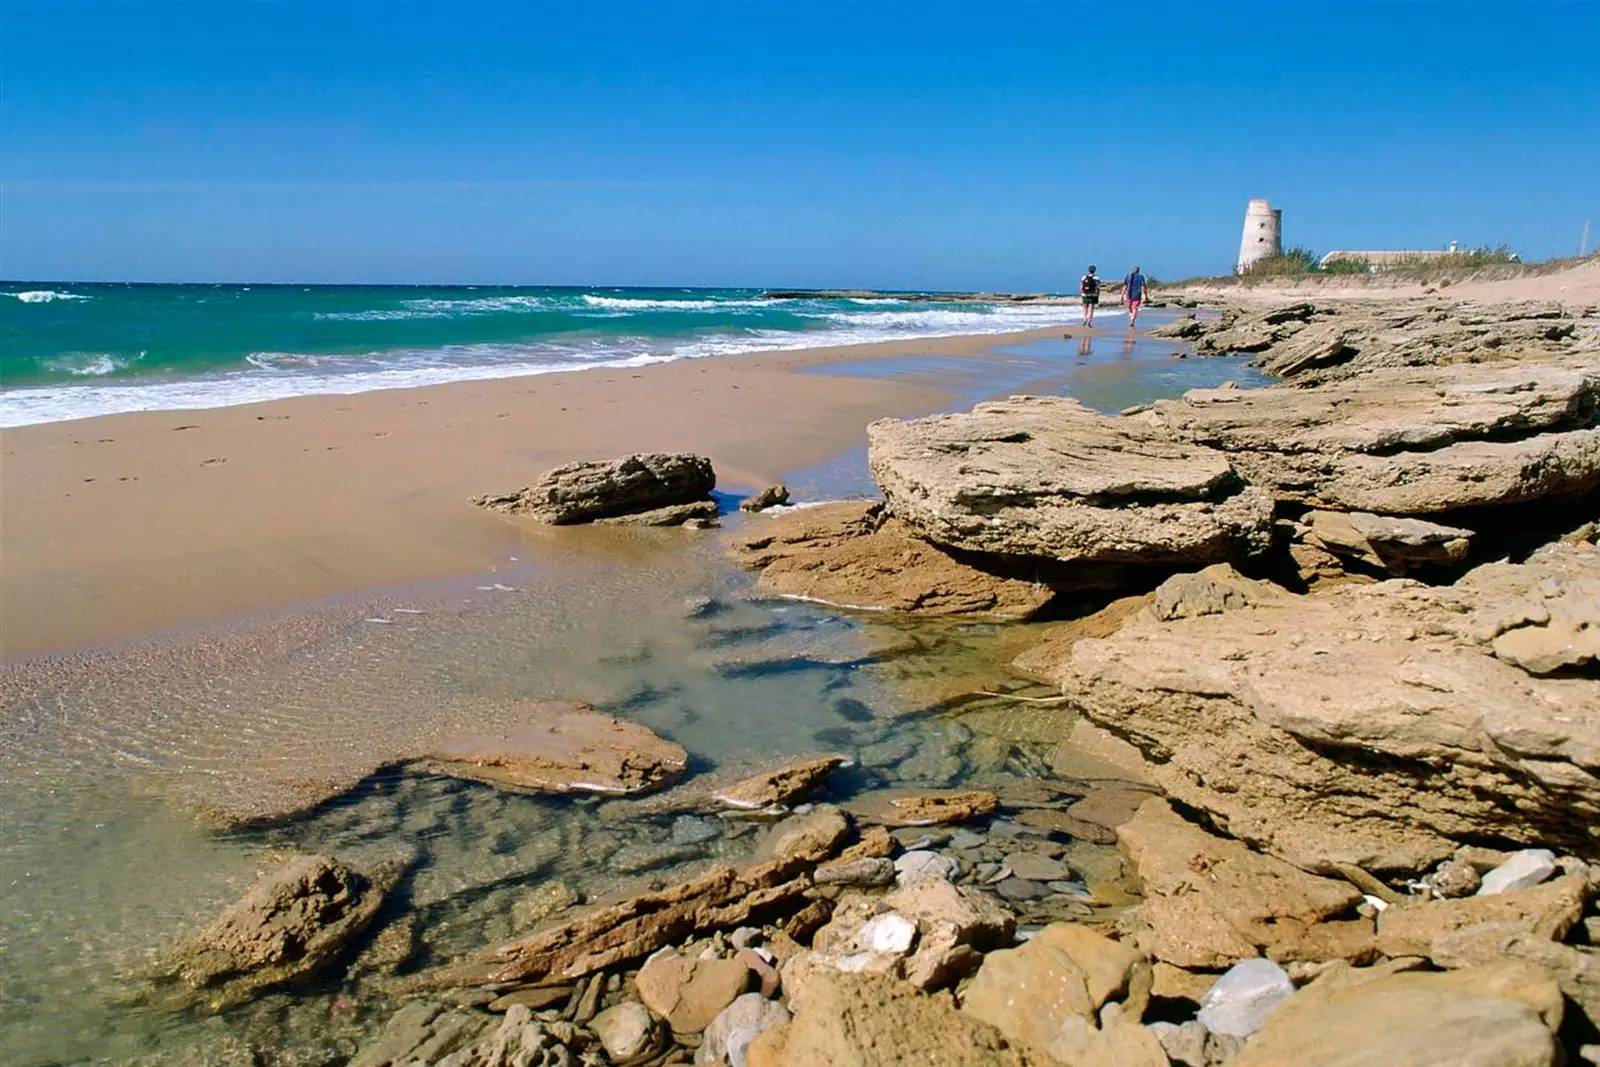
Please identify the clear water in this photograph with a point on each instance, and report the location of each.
(115, 763)
(70, 351)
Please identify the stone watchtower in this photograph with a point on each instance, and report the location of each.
(1263, 234)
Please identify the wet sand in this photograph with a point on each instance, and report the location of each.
(127, 524)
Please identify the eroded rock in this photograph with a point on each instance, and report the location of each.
(587, 491)
(289, 925)
(566, 747)
(1046, 477)
(1210, 902)
(853, 555)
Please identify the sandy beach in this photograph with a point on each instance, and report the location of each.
(126, 524)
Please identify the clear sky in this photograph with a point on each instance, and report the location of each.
(926, 144)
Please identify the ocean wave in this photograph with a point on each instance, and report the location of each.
(632, 303)
(276, 375)
(44, 296)
(88, 364)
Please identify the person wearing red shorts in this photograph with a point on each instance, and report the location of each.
(1133, 292)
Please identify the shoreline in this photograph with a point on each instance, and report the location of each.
(221, 511)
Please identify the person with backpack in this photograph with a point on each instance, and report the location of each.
(1133, 293)
(1089, 292)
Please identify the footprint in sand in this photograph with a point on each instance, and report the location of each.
(186, 426)
(213, 461)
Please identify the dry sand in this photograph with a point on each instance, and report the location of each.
(118, 526)
(1574, 286)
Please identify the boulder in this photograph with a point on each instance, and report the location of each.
(1064, 971)
(688, 992)
(587, 491)
(1048, 478)
(627, 1031)
(727, 1039)
(1376, 725)
(1210, 902)
(1410, 1020)
(698, 513)
(853, 555)
(785, 784)
(869, 1020)
(1407, 442)
(289, 925)
(773, 496)
(1239, 1002)
(814, 834)
(566, 747)
(1523, 870)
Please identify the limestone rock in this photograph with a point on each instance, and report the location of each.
(566, 747)
(291, 923)
(922, 864)
(728, 1037)
(1395, 544)
(923, 807)
(1052, 993)
(867, 871)
(973, 917)
(421, 1032)
(719, 899)
(1376, 725)
(698, 513)
(773, 496)
(1239, 1002)
(1548, 910)
(1047, 478)
(815, 834)
(627, 1031)
(519, 1041)
(584, 492)
(1407, 442)
(851, 555)
(867, 1020)
(1523, 870)
(1210, 902)
(1405, 1020)
(689, 993)
(1210, 591)
(1575, 969)
(785, 784)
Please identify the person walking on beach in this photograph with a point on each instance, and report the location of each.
(1133, 291)
(1089, 292)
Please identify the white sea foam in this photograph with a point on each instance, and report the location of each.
(87, 364)
(44, 296)
(629, 303)
(277, 375)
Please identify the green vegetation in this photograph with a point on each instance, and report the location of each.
(1295, 261)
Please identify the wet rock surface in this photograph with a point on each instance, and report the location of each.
(565, 747)
(606, 489)
(853, 555)
(291, 923)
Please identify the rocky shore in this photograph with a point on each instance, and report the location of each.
(1316, 780)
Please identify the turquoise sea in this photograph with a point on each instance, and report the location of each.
(74, 350)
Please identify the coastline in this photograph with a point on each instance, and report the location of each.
(224, 510)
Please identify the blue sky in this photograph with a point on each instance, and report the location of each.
(890, 144)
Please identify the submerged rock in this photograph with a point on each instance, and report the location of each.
(566, 747)
(923, 807)
(1048, 478)
(785, 784)
(587, 491)
(289, 925)
(853, 555)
